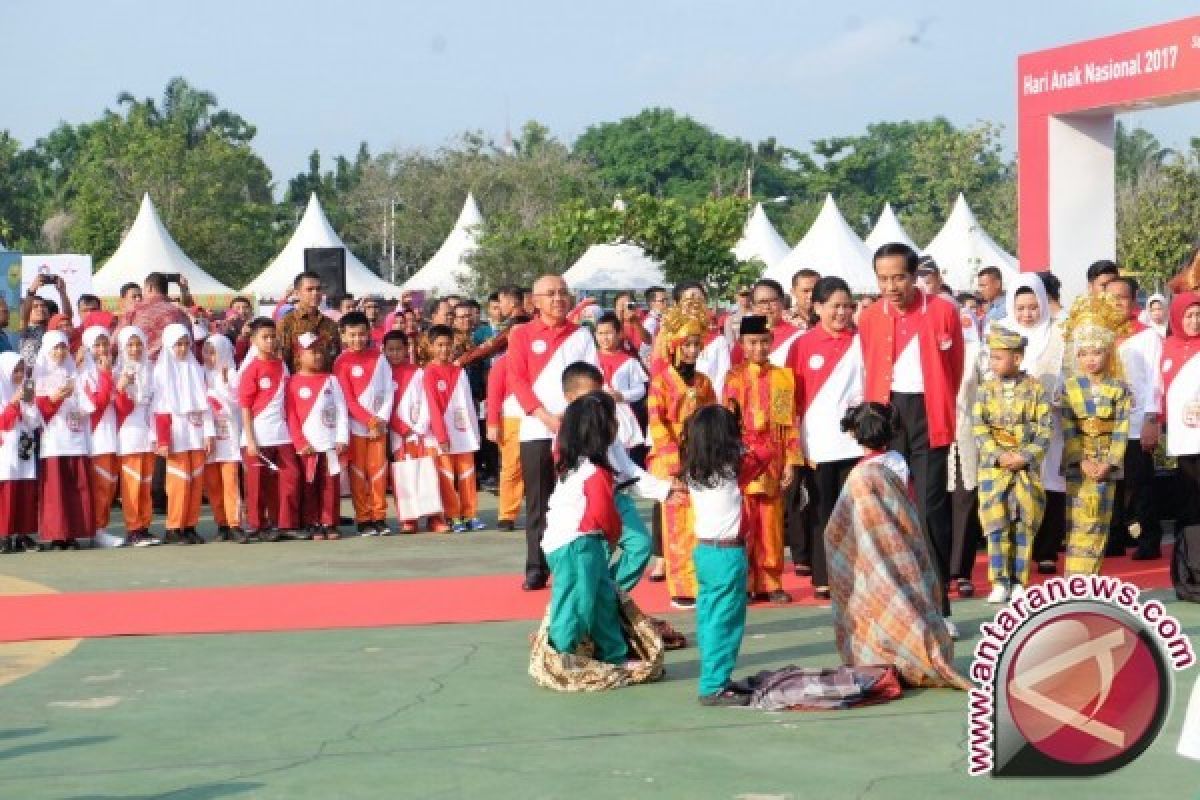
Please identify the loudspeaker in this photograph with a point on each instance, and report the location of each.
(330, 264)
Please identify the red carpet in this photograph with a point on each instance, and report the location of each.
(364, 604)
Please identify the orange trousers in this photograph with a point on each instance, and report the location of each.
(456, 481)
(679, 540)
(224, 496)
(137, 471)
(512, 483)
(368, 477)
(185, 488)
(764, 542)
(103, 480)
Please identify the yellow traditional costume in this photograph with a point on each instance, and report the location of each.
(1010, 415)
(1095, 423)
(676, 391)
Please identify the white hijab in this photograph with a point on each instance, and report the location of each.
(1037, 335)
(1145, 318)
(88, 369)
(49, 377)
(178, 383)
(8, 363)
(225, 373)
(141, 376)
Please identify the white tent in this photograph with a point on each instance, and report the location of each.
(760, 240)
(888, 229)
(831, 247)
(446, 272)
(614, 266)
(962, 247)
(148, 247)
(314, 230)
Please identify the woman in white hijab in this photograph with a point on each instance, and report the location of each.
(1154, 315)
(1030, 315)
(222, 467)
(184, 431)
(18, 465)
(63, 482)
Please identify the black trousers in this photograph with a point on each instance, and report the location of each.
(967, 530)
(827, 482)
(1134, 502)
(537, 468)
(1053, 531)
(928, 468)
(798, 519)
(487, 457)
(656, 530)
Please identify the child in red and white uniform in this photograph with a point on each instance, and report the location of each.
(95, 372)
(66, 499)
(410, 415)
(624, 379)
(366, 380)
(453, 432)
(135, 435)
(317, 419)
(183, 430)
(272, 468)
(18, 463)
(222, 467)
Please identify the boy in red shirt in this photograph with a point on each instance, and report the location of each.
(453, 431)
(366, 380)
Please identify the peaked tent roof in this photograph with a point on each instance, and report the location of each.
(614, 266)
(148, 247)
(888, 229)
(447, 270)
(831, 247)
(314, 230)
(760, 240)
(962, 247)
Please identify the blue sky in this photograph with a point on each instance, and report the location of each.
(403, 74)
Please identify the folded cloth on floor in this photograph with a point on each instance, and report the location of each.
(820, 689)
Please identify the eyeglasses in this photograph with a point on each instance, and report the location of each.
(768, 301)
(554, 293)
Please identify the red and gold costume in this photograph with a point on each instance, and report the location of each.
(764, 398)
(671, 400)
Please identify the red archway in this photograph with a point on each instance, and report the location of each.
(1067, 101)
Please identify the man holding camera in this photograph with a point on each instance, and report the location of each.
(156, 311)
(36, 312)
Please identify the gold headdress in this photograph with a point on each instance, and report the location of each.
(1001, 338)
(689, 318)
(1096, 321)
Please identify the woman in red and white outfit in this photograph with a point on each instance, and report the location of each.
(66, 499)
(1180, 368)
(828, 365)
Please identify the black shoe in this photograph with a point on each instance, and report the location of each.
(683, 603)
(224, 534)
(534, 581)
(28, 543)
(8, 546)
(381, 527)
(966, 589)
(506, 525)
(172, 536)
(725, 698)
(1146, 554)
(803, 570)
(242, 536)
(779, 597)
(822, 593)
(1047, 568)
(193, 537)
(71, 544)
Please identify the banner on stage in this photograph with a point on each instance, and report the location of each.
(10, 267)
(76, 272)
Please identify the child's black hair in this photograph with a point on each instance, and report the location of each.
(258, 323)
(712, 447)
(395, 336)
(581, 372)
(609, 318)
(871, 424)
(588, 428)
(353, 319)
(438, 331)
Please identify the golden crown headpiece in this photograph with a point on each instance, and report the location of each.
(1095, 321)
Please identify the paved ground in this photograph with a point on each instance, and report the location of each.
(448, 712)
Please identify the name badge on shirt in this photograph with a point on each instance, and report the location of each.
(329, 416)
(1191, 414)
(196, 419)
(75, 421)
(222, 428)
(460, 420)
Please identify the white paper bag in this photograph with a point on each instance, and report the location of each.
(415, 484)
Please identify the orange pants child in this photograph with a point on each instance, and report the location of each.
(221, 486)
(456, 481)
(137, 471)
(512, 483)
(764, 542)
(103, 480)
(368, 477)
(185, 479)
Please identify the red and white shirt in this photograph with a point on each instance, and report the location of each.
(453, 423)
(582, 503)
(410, 412)
(537, 355)
(316, 414)
(366, 380)
(829, 379)
(262, 389)
(625, 374)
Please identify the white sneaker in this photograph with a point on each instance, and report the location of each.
(1018, 591)
(951, 628)
(999, 594)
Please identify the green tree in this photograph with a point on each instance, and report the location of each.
(1156, 216)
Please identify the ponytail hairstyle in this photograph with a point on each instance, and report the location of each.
(871, 424)
(589, 427)
(711, 447)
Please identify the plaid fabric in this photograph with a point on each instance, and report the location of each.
(1090, 405)
(1011, 416)
(886, 606)
(821, 689)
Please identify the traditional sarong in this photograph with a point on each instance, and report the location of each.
(884, 585)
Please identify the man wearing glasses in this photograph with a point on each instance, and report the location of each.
(656, 300)
(538, 352)
(306, 317)
(767, 299)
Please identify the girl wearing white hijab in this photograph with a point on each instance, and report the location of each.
(63, 482)
(184, 431)
(96, 382)
(135, 434)
(221, 469)
(1153, 317)
(18, 465)
(1030, 315)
